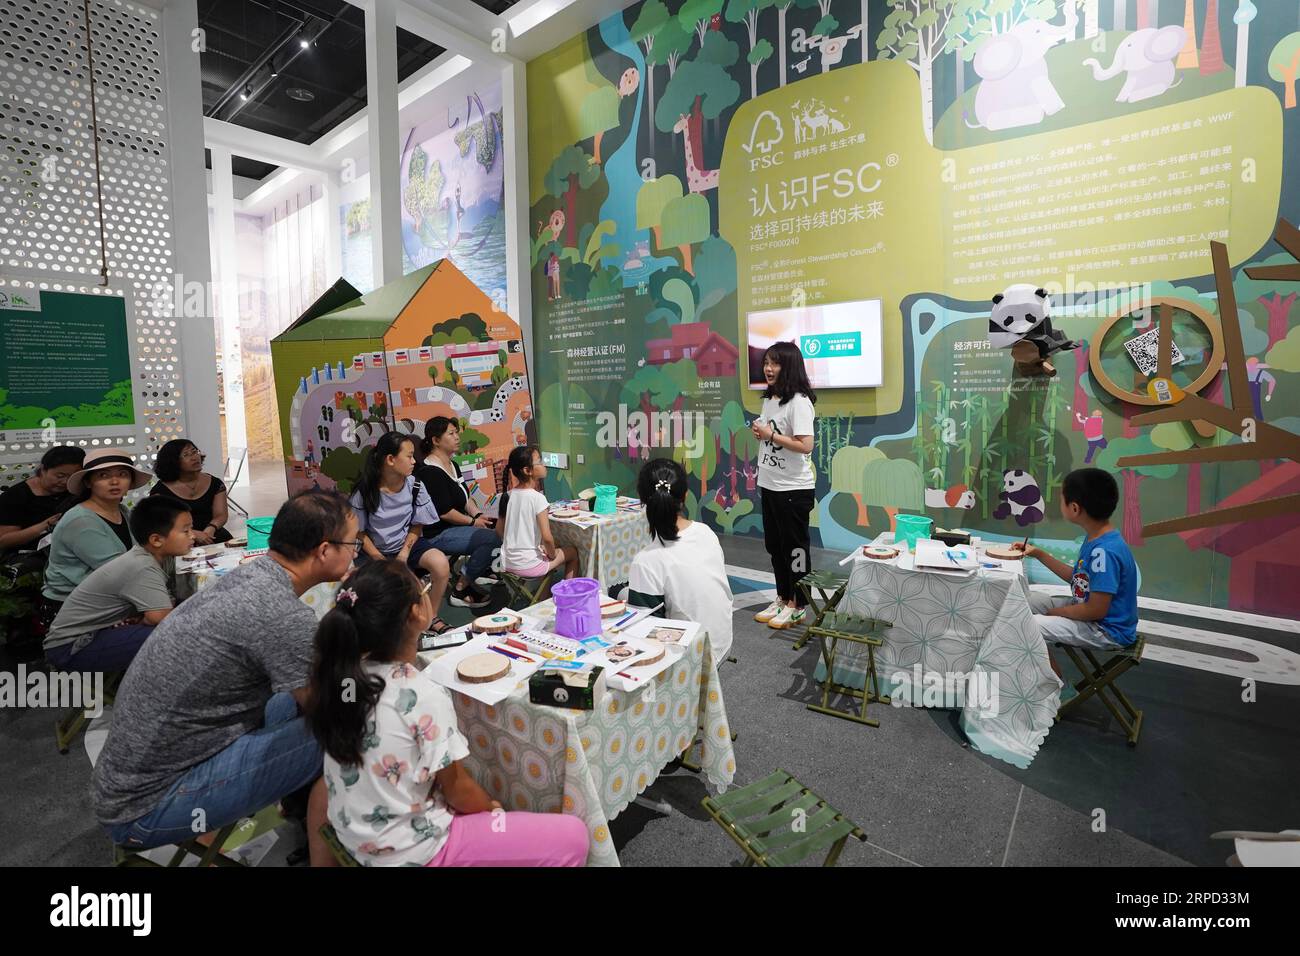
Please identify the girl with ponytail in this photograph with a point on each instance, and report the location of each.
(398, 793)
(527, 547)
(683, 567)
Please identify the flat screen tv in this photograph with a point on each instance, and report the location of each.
(841, 342)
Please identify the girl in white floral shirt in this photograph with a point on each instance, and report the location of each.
(398, 793)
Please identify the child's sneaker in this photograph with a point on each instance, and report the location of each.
(789, 617)
(769, 612)
(468, 597)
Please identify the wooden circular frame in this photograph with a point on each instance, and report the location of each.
(1212, 366)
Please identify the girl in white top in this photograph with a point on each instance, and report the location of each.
(683, 567)
(527, 547)
(786, 477)
(394, 787)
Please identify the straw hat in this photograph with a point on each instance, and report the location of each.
(108, 458)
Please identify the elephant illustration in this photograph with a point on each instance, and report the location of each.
(1016, 88)
(1148, 56)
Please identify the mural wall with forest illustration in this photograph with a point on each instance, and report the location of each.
(693, 161)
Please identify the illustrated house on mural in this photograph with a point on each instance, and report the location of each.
(355, 366)
(713, 355)
(1265, 562)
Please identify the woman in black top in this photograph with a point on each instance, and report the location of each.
(461, 528)
(30, 509)
(180, 475)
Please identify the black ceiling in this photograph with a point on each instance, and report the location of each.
(254, 35)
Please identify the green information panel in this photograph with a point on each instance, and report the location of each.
(66, 366)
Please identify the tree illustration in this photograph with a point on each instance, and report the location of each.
(649, 23)
(1177, 436)
(782, 37)
(1267, 294)
(848, 468)
(1283, 63)
(433, 373)
(697, 14)
(1211, 41)
(915, 32)
(700, 89)
(572, 170)
(746, 12)
(1131, 482)
(686, 221)
(1187, 57)
(651, 198)
(1246, 12)
(424, 182)
(715, 271)
(676, 295)
(698, 456)
(893, 484)
(599, 112)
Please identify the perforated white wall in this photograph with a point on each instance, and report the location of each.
(49, 222)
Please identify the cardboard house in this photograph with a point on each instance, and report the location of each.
(354, 366)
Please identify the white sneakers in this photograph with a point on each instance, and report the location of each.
(787, 617)
(769, 612)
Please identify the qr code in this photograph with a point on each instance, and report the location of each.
(1144, 351)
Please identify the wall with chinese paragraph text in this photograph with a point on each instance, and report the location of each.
(693, 162)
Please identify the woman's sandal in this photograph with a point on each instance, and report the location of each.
(438, 626)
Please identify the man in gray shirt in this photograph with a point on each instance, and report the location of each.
(206, 728)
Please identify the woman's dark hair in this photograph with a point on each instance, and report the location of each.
(792, 380)
(372, 469)
(168, 465)
(434, 429)
(156, 514)
(341, 696)
(521, 459)
(662, 487)
(307, 520)
(61, 455)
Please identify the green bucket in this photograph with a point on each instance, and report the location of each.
(259, 532)
(908, 528)
(606, 502)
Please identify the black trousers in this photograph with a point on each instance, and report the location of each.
(785, 532)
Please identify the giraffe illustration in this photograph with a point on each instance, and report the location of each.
(699, 179)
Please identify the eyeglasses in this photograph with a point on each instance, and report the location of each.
(354, 545)
(193, 453)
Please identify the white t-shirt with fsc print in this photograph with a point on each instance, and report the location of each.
(779, 468)
(691, 575)
(521, 543)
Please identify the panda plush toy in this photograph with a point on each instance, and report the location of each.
(1023, 313)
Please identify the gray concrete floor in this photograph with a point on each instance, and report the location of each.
(923, 798)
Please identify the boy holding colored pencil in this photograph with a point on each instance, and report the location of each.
(1101, 609)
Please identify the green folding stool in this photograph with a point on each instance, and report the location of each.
(779, 822)
(209, 855)
(525, 592)
(839, 626)
(337, 848)
(70, 726)
(826, 587)
(1100, 679)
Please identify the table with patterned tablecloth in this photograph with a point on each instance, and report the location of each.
(319, 598)
(606, 544)
(593, 764)
(976, 632)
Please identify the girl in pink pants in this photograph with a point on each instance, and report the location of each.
(394, 787)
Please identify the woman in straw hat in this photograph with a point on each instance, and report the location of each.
(94, 531)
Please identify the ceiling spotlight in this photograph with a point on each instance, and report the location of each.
(248, 91)
(304, 44)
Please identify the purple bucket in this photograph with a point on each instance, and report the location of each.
(577, 608)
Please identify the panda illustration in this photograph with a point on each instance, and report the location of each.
(1024, 312)
(1020, 497)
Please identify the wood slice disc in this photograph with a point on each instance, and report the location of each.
(880, 553)
(496, 623)
(614, 609)
(653, 658)
(1004, 554)
(565, 513)
(483, 668)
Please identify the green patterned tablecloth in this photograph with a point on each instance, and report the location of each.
(592, 764)
(606, 546)
(978, 629)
